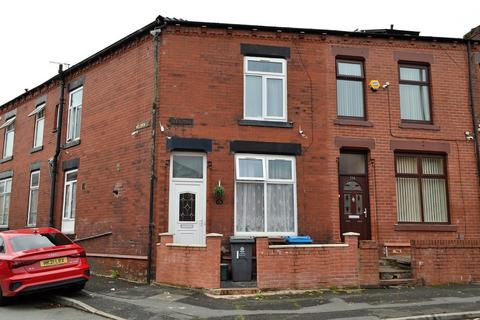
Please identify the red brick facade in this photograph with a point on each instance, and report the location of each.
(201, 78)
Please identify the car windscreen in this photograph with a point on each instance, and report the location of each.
(36, 241)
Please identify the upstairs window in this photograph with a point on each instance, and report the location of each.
(265, 89)
(39, 113)
(414, 93)
(9, 127)
(421, 188)
(74, 114)
(350, 87)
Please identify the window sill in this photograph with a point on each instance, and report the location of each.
(425, 227)
(352, 122)
(420, 126)
(71, 144)
(36, 149)
(263, 123)
(6, 159)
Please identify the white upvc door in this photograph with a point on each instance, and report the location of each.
(187, 205)
(69, 202)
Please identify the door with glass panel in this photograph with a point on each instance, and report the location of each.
(353, 194)
(187, 205)
(69, 202)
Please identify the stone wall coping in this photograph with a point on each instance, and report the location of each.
(214, 235)
(165, 234)
(287, 246)
(356, 234)
(186, 245)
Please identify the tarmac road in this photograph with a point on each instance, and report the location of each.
(40, 307)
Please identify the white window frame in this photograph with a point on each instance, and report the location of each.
(36, 133)
(33, 188)
(69, 183)
(10, 129)
(4, 194)
(265, 76)
(70, 111)
(265, 181)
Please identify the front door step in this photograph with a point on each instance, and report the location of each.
(389, 273)
(233, 291)
(397, 282)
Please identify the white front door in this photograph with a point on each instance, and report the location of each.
(69, 202)
(187, 205)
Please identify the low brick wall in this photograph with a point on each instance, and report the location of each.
(446, 261)
(316, 266)
(369, 263)
(127, 268)
(189, 265)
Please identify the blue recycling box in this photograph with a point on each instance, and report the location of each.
(298, 239)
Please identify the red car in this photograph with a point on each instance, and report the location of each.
(33, 260)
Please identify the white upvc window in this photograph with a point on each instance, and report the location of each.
(9, 126)
(265, 89)
(74, 114)
(265, 195)
(33, 198)
(5, 190)
(39, 125)
(70, 195)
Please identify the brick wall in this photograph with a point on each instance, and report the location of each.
(446, 261)
(126, 268)
(187, 265)
(307, 266)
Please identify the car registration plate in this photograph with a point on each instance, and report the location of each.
(53, 262)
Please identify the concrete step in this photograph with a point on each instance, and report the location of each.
(397, 282)
(401, 262)
(233, 291)
(388, 273)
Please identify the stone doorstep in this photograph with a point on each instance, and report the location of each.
(233, 291)
(397, 282)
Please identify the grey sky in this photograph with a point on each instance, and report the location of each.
(34, 32)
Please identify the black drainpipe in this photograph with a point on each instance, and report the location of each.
(472, 107)
(53, 162)
(153, 150)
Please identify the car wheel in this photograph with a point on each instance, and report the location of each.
(3, 301)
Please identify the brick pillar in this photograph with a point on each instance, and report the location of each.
(261, 244)
(351, 238)
(165, 238)
(213, 259)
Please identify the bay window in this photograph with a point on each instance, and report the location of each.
(265, 200)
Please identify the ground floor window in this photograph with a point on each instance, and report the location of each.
(33, 199)
(265, 195)
(5, 190)
(421, 188)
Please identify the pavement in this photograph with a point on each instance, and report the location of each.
(119, 299)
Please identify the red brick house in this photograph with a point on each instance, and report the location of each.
(309, 132)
